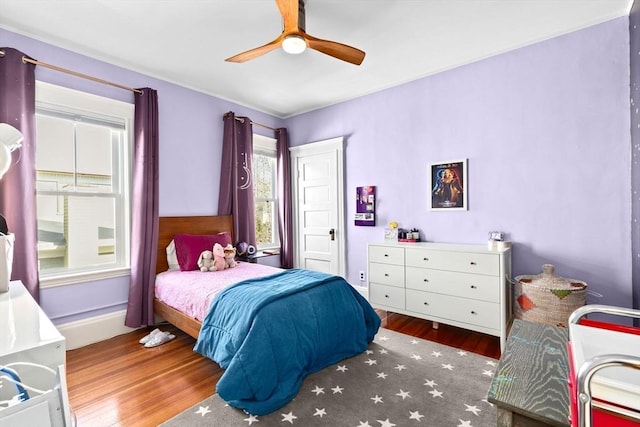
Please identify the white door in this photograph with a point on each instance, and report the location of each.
(317, 173)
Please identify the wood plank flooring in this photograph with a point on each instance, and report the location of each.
(118, 382)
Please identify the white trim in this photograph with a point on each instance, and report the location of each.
(62, 99)
(94, 329)
(86, 277)
(362, 290)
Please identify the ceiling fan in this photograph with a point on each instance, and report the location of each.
(294, 38)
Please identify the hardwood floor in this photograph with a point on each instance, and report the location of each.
(118, 382)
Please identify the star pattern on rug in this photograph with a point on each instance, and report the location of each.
(320, 413)
(397, 384)
(415, 415)
(252, 419)
(203, 410)
(288, 417)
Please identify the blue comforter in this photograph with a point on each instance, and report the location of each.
(270, 333)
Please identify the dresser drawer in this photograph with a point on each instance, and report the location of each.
(466, 262)
(386, 274)
(386, 255)
(389, 296)
(473, 312)
(474, 286)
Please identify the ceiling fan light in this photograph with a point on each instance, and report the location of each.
(294, 44)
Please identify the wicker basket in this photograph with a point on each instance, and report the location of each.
(547, 298)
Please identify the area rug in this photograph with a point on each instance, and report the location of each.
(398, 381)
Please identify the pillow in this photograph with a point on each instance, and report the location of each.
(190, 246)
(172, 258)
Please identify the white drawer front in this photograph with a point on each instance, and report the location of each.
(386, 255)
(465, 310)
(466, 262)
(389, 296)
(485, 288)
(386, 274)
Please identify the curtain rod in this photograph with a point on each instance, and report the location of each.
(75, 73)
(241, 120)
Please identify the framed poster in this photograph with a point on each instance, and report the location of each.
(448, 183)
(366, 206)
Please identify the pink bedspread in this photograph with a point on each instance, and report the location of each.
(191, 292)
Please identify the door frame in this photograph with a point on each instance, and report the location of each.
(335, 146)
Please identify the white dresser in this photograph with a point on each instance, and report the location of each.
(28, 336)
(461, 285)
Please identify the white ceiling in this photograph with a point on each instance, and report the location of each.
(186, 41)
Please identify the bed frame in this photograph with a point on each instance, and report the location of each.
(167, 228)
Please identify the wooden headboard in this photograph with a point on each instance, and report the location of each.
(172, 225)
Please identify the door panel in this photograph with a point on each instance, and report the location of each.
(319, 211)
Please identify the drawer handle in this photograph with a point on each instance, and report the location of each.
(386, 296)
(473, 312)
(425, 303)
(473, 263)
(386, 274)
(474, 287)
(425, 259)
(425, 280)
(386, 255)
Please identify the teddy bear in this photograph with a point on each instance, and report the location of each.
(218, 257)
(205, 261)
(230, 256)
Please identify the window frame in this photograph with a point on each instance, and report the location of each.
(71, 101)
(266, 146)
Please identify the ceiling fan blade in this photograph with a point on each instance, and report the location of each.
(335, 49)
(290, 10)
(256, 52)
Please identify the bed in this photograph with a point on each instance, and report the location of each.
(268, 328)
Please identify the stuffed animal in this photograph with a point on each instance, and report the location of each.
(218, 257)
(230, 256)
(205, 261)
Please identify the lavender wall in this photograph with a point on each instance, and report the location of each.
(634, 51)
(190, 153)
(546, 132)
(545, 129)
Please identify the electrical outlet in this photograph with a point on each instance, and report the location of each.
(362, 277)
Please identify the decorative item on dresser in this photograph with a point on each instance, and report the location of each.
(466, 286)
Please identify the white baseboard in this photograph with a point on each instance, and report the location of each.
(362, 290)
(88, 331)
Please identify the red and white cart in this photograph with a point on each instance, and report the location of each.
(604, 368)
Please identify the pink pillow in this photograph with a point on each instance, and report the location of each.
(190, 246)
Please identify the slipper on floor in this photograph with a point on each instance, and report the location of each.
(146, 338)
(159, 338)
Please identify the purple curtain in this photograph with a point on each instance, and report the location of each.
(285, 219)
(18, 186)
(144, 220)
(236, 182)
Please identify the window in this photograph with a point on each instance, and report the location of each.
(265, 192)
(83, 178)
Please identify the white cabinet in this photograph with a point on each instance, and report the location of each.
(460, 285)
(28, 336)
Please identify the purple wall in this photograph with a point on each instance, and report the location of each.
(190, 153)
(634, 51)
(546, 132)
(545, 129)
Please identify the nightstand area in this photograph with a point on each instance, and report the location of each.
(27, 339)
(255, 257)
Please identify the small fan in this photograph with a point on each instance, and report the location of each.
(294, 38)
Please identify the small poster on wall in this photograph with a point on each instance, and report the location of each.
(448, 185)
(366, 205)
